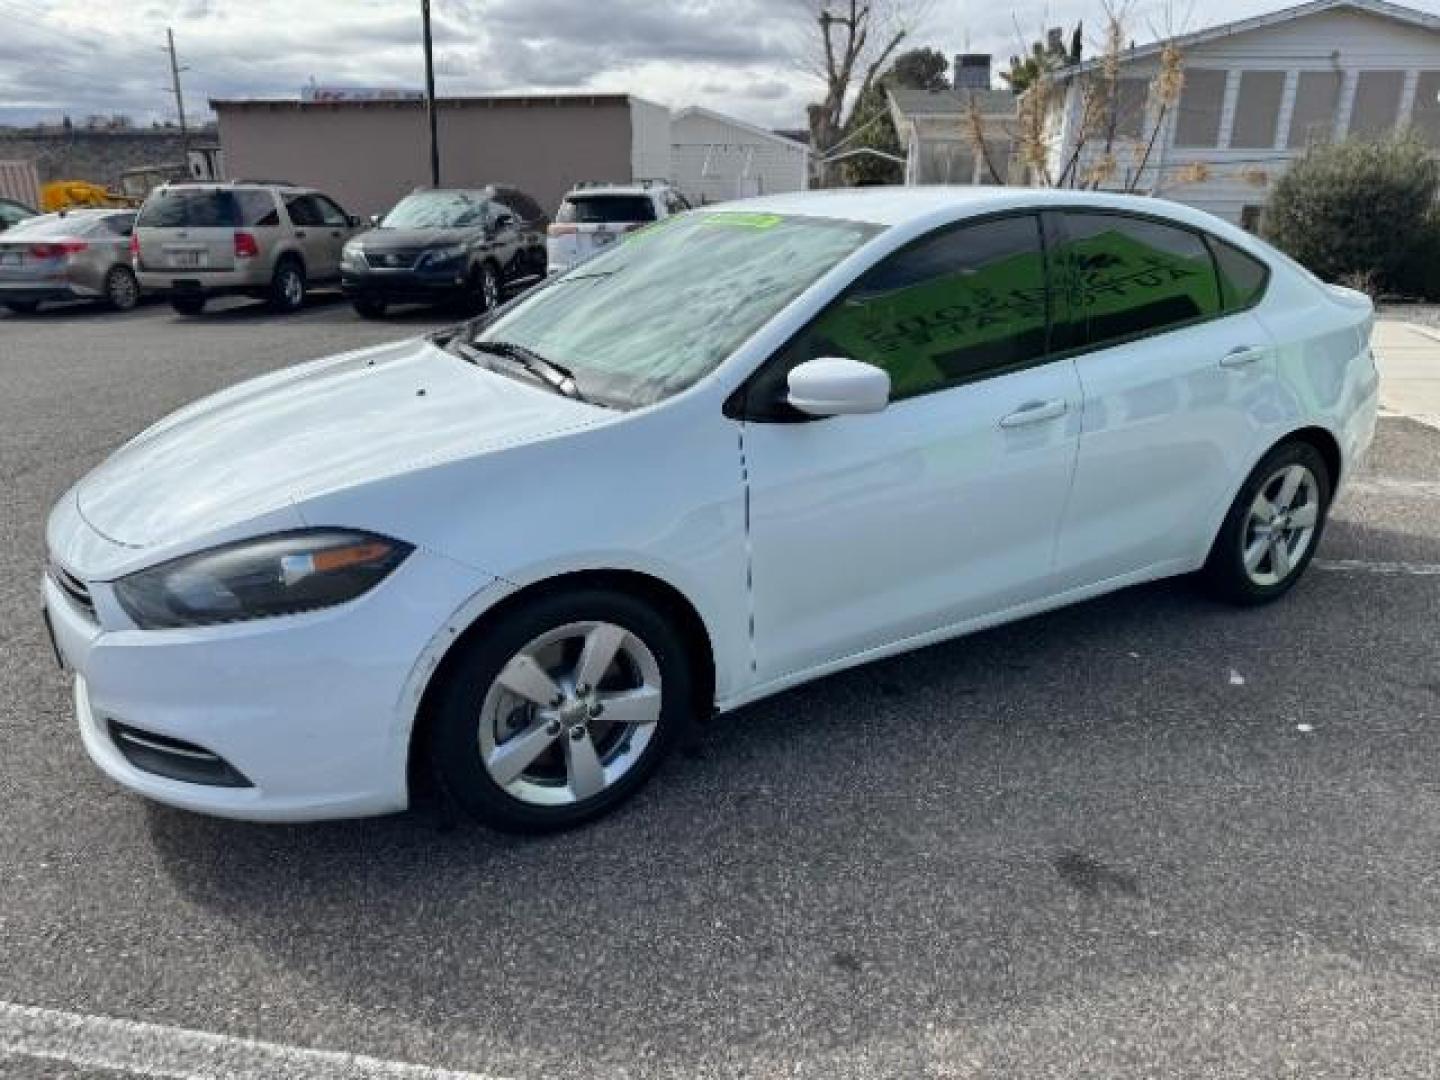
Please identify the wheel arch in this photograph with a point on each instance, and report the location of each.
(661, 594)
(1325, 443)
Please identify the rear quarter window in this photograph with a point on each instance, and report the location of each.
(186, 209)
(1242, 277)
(257, 209)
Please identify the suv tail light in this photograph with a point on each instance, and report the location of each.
(245, 246)
(135, 246)
(56, 251)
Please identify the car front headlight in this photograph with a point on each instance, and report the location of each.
(283, 574)
(352, 256)
(443, 255)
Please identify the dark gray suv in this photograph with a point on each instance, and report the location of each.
(446, 244)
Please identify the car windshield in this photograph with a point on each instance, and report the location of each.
(437, 210)
(598, 209)
(662, 309)
(181, 208)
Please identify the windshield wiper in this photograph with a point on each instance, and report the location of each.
(556, 376)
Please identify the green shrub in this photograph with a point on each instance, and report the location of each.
(1419, 272)
(1356, 210)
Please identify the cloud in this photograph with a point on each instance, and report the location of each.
(737, 56)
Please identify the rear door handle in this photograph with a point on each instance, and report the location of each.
(1033, 412)
(1241, 355)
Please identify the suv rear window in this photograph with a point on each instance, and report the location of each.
(183, 209)
(598, 209)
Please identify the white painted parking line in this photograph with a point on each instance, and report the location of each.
(1363, 566)
(171, 1053)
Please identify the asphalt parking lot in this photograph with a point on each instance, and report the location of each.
(1144, 836)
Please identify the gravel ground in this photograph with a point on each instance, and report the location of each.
(1093, 843)
(1420, 314)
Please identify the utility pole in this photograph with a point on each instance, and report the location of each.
(175, 70)
(430, 96)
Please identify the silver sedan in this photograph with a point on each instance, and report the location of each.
(72, 255)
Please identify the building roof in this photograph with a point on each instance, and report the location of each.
(474, 102)
(751, 129)
(912, 102)
(1381, 8)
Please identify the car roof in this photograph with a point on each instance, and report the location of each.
(616, 189)
(893, 206)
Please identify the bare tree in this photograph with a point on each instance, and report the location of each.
(850, 42)
(1098, 148)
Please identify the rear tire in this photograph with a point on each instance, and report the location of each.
(122, 291)
(1272, 528)
(369, 308)
(188, 305)
(23, 307)
(560, 754)
(287, 286)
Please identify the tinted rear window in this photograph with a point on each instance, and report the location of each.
(190, 210)
(597, 209)
(1242, 277)
(55, 226)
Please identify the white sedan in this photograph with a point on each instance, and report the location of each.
(746, 448)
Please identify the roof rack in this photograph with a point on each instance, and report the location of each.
(639, 181)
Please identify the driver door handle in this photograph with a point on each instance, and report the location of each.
(1034, 412)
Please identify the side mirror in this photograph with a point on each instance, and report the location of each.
(374, 221)
(502, 222)
(837, 386)
(353, 220)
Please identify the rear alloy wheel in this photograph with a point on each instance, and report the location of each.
(188, 304)
(287, 287)
(23, 307)
(122, 291)
(1273, 527)
(561, 710)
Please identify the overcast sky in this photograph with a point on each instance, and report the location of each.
(737, 56)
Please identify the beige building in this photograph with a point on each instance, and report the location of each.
(368, 153)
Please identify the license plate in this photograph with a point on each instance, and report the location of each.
(10, 258)
(50, 636)
(186, 260)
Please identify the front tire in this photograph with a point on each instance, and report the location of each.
(23, 307)
(287, 286)
(122, 291)
(1273, 527)
(484, 289)
(560, 710)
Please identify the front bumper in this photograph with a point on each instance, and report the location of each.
(403, 285)
(314, 710)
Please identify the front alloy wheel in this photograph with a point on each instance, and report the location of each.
(559, 710)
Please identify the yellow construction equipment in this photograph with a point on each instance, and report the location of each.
(64, 194)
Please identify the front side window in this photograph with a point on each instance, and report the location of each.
(957, 306)
(330, 213)
(658, 312)
(303, 211)
(1128, 277)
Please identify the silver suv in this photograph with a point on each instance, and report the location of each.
(272, 241)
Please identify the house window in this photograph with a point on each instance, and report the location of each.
(1130, 97)
(1198, 122)
(1377, 102)
(1426, 114)
(1313, 118)
(1257, 109)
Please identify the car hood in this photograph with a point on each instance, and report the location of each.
(331, 424)
(409, 239)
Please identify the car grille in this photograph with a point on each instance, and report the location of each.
(391, 260)
(77, 591)
(174, 759)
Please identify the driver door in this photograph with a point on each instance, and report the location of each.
(868, 530)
